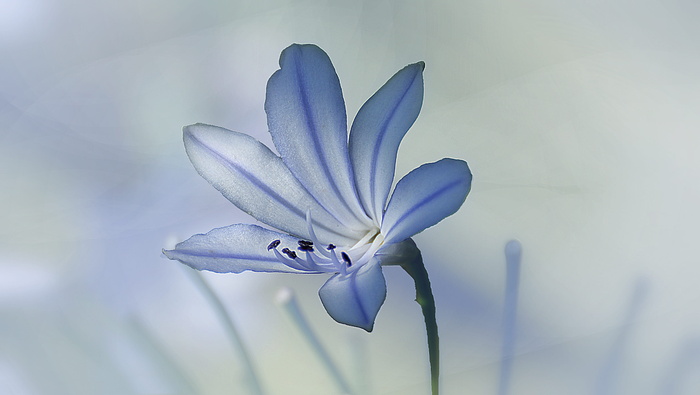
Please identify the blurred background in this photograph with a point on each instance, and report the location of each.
(579, 120)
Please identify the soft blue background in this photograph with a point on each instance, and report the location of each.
(579, 120)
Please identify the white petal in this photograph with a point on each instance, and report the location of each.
(306, 117)
(354, 299)
(233, 249)
(377, 131)
(256, 180)
(424, 197)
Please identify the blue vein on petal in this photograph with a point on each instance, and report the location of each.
(377, 146)
(422, 203)
(199, 254)
(356, 294)
(310, 122)
(212, 254)
(260, 185)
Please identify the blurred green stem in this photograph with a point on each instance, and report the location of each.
(513, 253)
(288, 301)
(150, 344)
(230, 328)
(424, 297)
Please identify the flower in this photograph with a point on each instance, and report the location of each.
(328, 194)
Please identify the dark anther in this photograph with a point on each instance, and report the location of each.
(306, 243)
(305, 247)
(330, 247)
(346, 258)
(289, 253)
(272, 245)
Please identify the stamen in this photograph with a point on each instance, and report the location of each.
(310, 227)
(376, 243)
(314, 238)
(325, 258)
(336, 263)
(310, 262)
(346, 258)
(334, 258)
(310, 259)
(307, 264)
(274, 244)
(291, 254)
(305, 247)
(293, 263)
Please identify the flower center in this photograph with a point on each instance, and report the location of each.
(310, 255)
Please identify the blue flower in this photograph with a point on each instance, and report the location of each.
(328, 194)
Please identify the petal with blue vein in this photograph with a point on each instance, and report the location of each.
(256, 180)
(377, 131)
(354, 299)
(307, 121)
(424, 197)
(233, 249)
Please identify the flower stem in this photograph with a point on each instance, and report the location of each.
(230, 327)
(286, 298)
(513, 252)
(424, 297)
(157, 352)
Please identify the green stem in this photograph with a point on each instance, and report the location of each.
(424, 297)
(288, 301)
(230, 328)
(148, 341)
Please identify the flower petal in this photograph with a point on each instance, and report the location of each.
(354, 299)
(233, 249)
(424, 197)
(377, 131)
(256, 180)
(307, 121)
